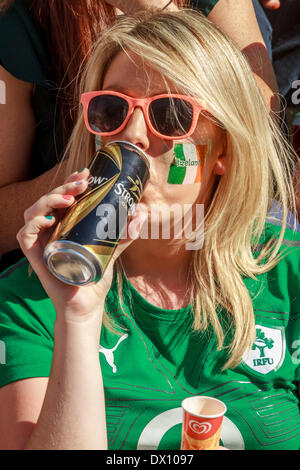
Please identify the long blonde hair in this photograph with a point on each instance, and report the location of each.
(202, 62)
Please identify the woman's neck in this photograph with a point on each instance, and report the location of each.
(159, 272)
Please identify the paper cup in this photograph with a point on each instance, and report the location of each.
(202, 423)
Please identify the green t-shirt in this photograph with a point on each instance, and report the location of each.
(157, 360)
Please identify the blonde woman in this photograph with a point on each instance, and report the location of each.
(221, 321)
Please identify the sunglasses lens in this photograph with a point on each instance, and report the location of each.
(171, 116)
(106, 113)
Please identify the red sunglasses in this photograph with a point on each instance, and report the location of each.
(170, 116)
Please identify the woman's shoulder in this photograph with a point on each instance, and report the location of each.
(290, 241)
(22, 49)
(278, 289)
(288, 255)
(20, 285)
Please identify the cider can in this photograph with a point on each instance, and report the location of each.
(85, 239)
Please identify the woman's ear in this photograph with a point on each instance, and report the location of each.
(220, 165)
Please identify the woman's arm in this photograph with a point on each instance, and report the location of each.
(238, 20)
(70, 409)
(72, 415)
(73, 412)
(65, 412)
(17, 132)
(20, 407)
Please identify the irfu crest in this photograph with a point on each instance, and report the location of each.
(267, 351)
(261, 343)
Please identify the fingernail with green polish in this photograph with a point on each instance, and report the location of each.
(81, 171)
(49, 217)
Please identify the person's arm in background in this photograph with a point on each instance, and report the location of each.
(238, 20)
(17, 132)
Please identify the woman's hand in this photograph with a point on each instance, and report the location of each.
(132, 6)
(71, 302)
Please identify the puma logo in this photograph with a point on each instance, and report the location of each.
(109, 353)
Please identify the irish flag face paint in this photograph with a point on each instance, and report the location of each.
(187, 165)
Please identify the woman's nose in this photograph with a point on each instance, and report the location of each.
(136, 130)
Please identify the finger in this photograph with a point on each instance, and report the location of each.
(78, 175)
(29, 238)
(73, 183)
(61, 198)
(29, 234)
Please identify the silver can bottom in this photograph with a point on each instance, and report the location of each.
(72, 263)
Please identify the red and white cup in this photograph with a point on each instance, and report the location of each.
(202, 423)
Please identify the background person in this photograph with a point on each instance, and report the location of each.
(286, 63)
(286, 46)
(182, 328)
(42, 46)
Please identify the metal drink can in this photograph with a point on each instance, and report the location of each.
(85, 239)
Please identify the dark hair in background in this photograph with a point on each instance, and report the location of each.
(70, 27)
